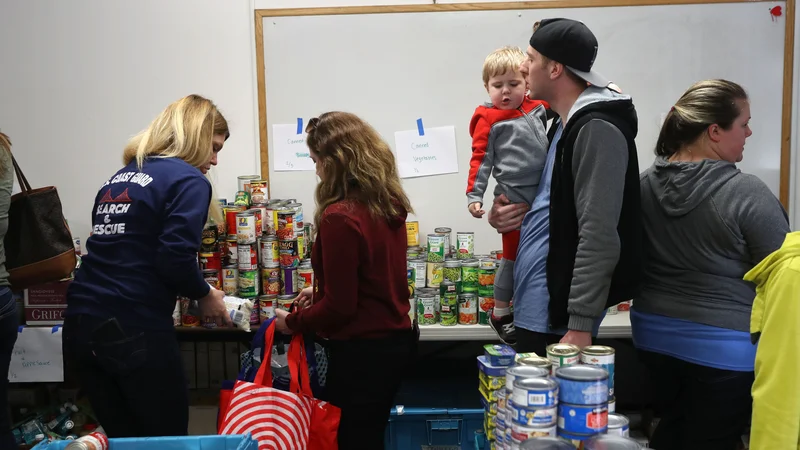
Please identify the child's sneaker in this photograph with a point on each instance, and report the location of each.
(504, 327)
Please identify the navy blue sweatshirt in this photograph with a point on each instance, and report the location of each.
(142, 254)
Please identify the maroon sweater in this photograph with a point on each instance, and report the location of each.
(360, 284)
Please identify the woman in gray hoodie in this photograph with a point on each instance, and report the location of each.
(706, 224)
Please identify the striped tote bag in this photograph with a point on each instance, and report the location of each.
(277, 419)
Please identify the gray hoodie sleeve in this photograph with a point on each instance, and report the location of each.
(599, 162)
(762, 219)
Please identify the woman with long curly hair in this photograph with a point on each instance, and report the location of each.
(360, 299)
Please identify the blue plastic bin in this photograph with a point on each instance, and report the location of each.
(236, 442)
(434, 428)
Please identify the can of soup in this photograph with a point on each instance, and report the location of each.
(246, 227)
(285, 230)
(248, 258)
(271, 279)
(289, 281)
(230, 280)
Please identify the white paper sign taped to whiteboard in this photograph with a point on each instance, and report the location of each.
(37, 356)
(290, 152)
(428, 151)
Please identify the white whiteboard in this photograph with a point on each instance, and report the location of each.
(393, 68)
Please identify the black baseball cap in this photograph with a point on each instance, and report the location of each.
(571, 43)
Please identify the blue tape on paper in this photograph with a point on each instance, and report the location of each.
(55, 328)
(299, 125)
(420, 128)
(19, 328)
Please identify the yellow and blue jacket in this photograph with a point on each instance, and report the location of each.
(775, 325)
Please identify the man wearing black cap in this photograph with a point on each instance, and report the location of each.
(580, 243)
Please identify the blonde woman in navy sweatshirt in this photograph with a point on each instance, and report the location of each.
(147, 221)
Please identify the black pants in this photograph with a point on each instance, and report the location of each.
(363, 378)
(134, 378)
(9, 321)
(700, 407)
(530, 341)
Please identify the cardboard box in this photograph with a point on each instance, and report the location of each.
(45, 304)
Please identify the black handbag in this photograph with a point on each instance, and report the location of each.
(38, 245)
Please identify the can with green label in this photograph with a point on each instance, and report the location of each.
(448, 303)
(436, 247)
(469, 275)
(485, 304)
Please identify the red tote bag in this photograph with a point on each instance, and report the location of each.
(285, 420)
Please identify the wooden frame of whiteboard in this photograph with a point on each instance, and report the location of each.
(788, 54)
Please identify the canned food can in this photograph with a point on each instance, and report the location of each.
(413, 253)
(465, 244)
(248, 283)
(210, 239)
(538, 391)
(436, 249)
(427, 310)
(486, 274)
(583, 419)
(230, 218)
(248, 258)
(289, 281)
(232, 250)
(412, 233)
(271, 280)
(485, 305)
(259, 191)
(469, 275)
(580, 384)
(268, 221)
(298, 215)
(246, 227)
(514, 373)
(468, 309)
(259, 214)
(300, 245)
(242, 198)
(624, 306)
(268, 250)
(176, 314)
(452, 271)
(188, 319)
(305, 276)
(446, 232)
(245, 182)
(601, 356)
(434, 274)
(612, 404)
(412, 310)
(522, 433)
(420, 269)
(532, 416)
(209, 261)
(255, 314)
(285, 302)
(266, 307)
(288, 253)
(612, 310)
(285, 230)
(618, 424)
(448, 304)
(536, 361)
(230, 280)
(211, 276)
(561, 355)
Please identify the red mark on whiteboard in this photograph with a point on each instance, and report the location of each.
(775, 12)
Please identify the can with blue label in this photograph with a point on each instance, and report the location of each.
(582, 385)
(520, 372)
(531, 415)
(603, 357)
(583, 420)
(618, 425)
(535, 392)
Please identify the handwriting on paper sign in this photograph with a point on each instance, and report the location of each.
(290, 150)
(431, 152)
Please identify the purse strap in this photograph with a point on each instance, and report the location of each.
(23, 182)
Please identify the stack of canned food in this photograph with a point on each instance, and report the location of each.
(262, 251)
(450, 285)
(568, 395)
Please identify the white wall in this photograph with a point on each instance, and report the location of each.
(79, 77)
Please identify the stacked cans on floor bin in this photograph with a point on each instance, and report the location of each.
(261, 252)
(563, 398)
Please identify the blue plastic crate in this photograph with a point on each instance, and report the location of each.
(237, 442)
(433, 428)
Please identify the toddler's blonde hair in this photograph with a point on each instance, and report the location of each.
(501, 61)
